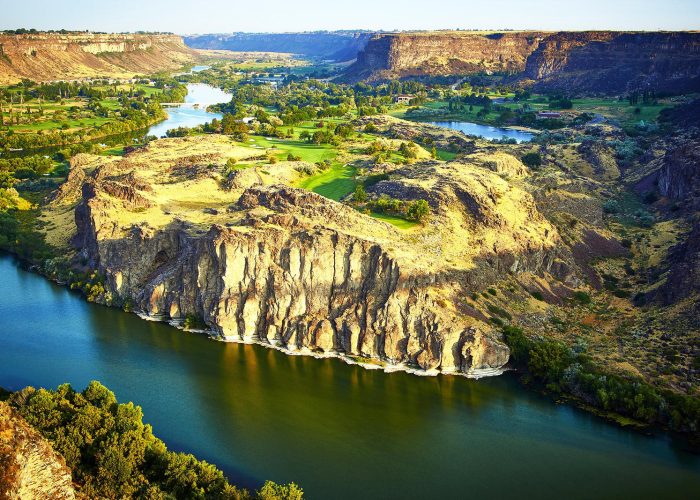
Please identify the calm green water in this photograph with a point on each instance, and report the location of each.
(338, 430)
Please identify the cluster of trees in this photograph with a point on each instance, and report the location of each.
(132, 117)
(28, 167)
(328, 134)
(113, 454)
(415, 210)
(560, 102)
(566, 370)
(299, 101)
(646, 97)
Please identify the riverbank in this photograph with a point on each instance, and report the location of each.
(259, 414)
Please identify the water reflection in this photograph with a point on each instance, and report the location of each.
(486, 131)
(339, 430)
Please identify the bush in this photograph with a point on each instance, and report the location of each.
(532, 160)
(581, 297)
(611, 207)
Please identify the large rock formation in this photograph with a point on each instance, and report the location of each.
(574, 62)
(262, 262)
(29, 467)
(57, 56)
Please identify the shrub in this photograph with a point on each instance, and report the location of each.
(532, 160)
(611, 207)
(581, 297)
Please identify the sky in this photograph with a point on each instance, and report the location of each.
(225, 16)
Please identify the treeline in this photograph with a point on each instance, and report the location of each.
(312, 99)
(570, 371)
(29, 167)
(132, 117)
(113, 454)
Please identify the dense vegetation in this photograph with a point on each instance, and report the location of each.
(62, 113)
(570, 371)
(113, 454)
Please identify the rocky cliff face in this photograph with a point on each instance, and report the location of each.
(288, 268)
(414, 54)
(54, 56)
(583, 62)
(335, 45)
(29, 467)
(611, 63)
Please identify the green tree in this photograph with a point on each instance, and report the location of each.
(360, 194)
(418, 210)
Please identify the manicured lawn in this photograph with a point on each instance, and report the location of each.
(334, 183)
(395, 221)
(308, 152)
(446, 155)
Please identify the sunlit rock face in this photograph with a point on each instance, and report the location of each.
(56, 56)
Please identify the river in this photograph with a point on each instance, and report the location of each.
(340, 431)
(486, 131)
(194, 110)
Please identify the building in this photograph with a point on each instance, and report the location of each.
(403, 99)
(542, 115)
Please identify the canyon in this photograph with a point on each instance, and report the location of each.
(333, 45)
(71, 56)
(598, 62)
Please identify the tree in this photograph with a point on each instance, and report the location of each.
(360, 194)
(228, 124)
(434, 153)
(418, 210)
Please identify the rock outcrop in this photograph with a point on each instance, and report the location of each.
(29, 467)
(58, 56)
(284, 267)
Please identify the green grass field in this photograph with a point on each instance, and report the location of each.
(395, 221)
(335, 183)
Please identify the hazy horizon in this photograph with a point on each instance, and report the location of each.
(220, 16)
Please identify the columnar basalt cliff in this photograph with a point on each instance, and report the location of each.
(591, 62)
(56, 56)
(280, 266)
(443, 53)
(613, 62)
